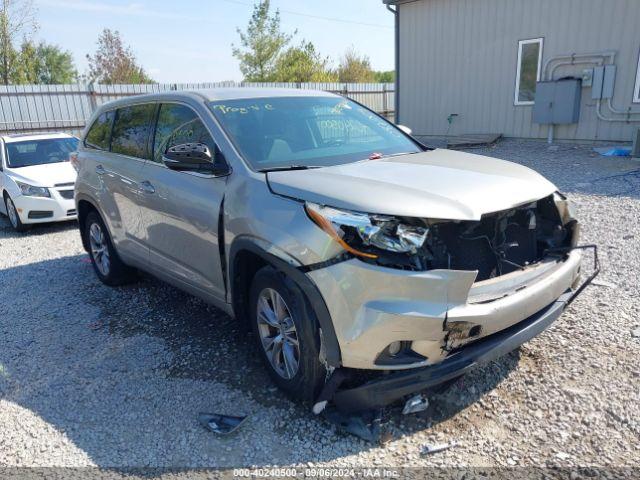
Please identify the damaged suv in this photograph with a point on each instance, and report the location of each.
(369, 266)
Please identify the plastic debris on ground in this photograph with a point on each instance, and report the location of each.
(603, 283)
(220, 424)
(367, 425)
(613, 151)
(438, 447)
(415, 404)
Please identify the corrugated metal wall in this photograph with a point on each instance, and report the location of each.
(29, 108)
(459, 56)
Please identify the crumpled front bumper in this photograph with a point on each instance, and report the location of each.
(436, 311)
(390, 387)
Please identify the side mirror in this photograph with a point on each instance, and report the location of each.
(193, 157)
(405, 129)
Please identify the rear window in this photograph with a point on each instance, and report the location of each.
(100, 131)
(131, 130)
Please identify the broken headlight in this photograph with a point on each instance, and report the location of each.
(362, 234)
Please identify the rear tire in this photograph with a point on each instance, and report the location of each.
(287, 334)
(104, 258)
(12, 214)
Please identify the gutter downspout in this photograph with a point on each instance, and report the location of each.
(396, 14)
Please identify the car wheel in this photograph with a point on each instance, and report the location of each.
(13, 216)
(104, 258)
(287, 334)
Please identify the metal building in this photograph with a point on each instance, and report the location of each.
(473, 66)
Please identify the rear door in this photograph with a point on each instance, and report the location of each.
(120, 173)
(181, 209)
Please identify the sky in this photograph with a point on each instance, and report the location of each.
(189, 41)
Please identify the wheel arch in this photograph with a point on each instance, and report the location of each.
(246, 256)
(84, 206)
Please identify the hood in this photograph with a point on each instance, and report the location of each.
(47, 175)
(441, 184)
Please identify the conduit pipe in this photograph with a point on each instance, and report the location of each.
(572, 57)
(611, 119)
(618, 111)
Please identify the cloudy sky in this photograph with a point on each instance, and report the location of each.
(190, 40)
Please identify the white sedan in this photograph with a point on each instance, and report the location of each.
(36, 178)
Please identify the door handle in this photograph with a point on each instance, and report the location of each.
(100, 170)
(146, 187)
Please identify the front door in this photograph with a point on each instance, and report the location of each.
(181, 210)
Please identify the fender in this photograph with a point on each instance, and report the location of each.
(329, 340)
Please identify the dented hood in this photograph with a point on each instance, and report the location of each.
(442, 184)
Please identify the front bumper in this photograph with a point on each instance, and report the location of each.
(392, 387)
(435, 311)
(395, 385)
(42, 209)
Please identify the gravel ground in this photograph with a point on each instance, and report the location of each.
(91, 375)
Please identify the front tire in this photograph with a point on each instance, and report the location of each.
(12, 214)
(104, 258)
(287, 334)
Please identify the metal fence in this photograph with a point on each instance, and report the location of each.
(37, 108)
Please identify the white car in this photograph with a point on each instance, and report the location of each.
(36, 178)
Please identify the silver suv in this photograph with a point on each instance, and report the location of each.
(368, 266)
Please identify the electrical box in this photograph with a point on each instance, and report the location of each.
(557, 102)
(587, 77)
(604, 80)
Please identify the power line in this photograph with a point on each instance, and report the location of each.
(317, 17)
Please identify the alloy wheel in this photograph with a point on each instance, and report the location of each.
(278, 333)
(99, 249)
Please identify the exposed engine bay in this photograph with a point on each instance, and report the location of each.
(498, 244)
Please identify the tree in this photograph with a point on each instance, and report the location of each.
(43, 64)
(303, 64)
(56, 65)
(261, 44)
(114, 62)
(355, 68)
(388, 76)
(17, 18)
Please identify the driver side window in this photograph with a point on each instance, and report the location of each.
(178, 124)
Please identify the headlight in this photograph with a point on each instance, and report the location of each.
(356, 232)
(31, 191)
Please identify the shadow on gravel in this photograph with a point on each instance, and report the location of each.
(7, 231)
(60, 358)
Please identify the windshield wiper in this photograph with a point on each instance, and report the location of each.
(398, 154)
(288, 167)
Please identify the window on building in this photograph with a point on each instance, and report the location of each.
(131, 130)
(636, 92)
(529, 70)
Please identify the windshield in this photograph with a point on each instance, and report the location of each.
(39, 152)
(299, 132)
